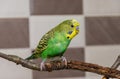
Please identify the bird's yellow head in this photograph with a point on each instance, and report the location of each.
(69, 27)
(73, 29)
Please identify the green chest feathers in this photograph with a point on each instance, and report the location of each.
(56, 46)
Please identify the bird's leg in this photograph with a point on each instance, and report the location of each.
(42, 64)
(64, 59)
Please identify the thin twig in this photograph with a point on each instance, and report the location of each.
(58, 65)
(116, 63)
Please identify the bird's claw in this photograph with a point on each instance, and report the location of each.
(42, 66)
(65, 60)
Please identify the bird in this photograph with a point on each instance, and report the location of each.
(56, 41)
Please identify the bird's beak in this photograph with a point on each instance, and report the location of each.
(77, 28)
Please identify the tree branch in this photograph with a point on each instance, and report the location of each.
(59, 65)
(114, 66)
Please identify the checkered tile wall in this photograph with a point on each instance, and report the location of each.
(23, 22)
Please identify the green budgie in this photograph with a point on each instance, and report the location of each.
(55, 42)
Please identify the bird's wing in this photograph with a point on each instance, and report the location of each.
(44, 42)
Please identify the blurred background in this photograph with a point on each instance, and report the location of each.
(23, 22)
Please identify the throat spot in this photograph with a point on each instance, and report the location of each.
(68, 37)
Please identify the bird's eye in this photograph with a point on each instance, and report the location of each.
(72, 26)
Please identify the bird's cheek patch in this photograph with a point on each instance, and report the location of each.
(70, 32)
(73, 34)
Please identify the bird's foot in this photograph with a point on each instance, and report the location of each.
(42, 66)
(65, 60)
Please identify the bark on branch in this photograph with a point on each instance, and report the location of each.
(58, 65)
